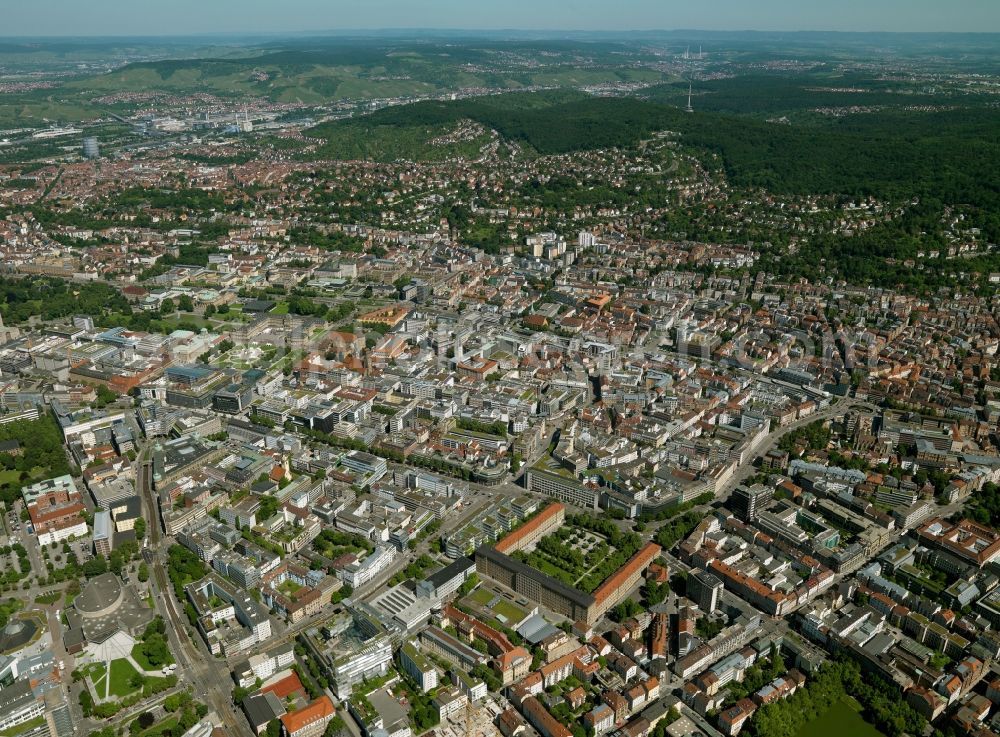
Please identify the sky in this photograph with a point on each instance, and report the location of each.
(182, 17)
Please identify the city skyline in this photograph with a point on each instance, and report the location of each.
(493, 370)
(113, 18)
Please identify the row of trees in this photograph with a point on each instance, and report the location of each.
(12, 575)
(187, 711)
(616, 537)
(561, 551)
(414, 570)
(70, 570)
(677, 529)
(666, 513)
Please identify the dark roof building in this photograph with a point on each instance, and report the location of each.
(262, 709)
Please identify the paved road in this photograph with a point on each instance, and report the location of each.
(747, 469)
(210, 677)
(30, 542)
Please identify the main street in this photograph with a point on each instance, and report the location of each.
(745, 470)
(210, 678)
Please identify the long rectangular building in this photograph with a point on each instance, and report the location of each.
(436, 640)
(565, 488)
(618, 586)
(553, 594)
(548, 520)
(545, 590)
(540, 718)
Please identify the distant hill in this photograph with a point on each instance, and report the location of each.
(346, 70)
(547, 123)
(947, 154)
(800, 93)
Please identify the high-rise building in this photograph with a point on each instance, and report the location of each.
(103, 540)
(746, 502)
(704, 589)
(90, 148)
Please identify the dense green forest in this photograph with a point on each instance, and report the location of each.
(42, 455)
(950, 155)
(771, 93)
(549, 124)
(50, 298)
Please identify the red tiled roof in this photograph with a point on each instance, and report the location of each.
(321, 708)
(636, 563)
(510, 541)
(285, 687)
(542, 719)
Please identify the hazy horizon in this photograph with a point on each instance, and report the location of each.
(104, 18)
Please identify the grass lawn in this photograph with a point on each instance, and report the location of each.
(289, 587)
(508, 611)
(482, 596)
(97, 673)
(842, 718)
(159, 728)
(121, 672)
(173, 322)
(9, 477)
(50, 598)
(280, 309)
(502, 607)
